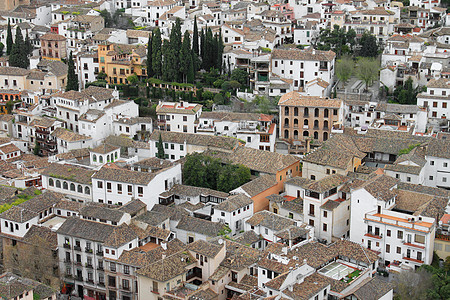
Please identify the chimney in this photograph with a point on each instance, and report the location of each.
(164, 245)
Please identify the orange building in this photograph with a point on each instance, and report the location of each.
(118, 61)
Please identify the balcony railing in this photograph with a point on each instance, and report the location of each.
(88, 250)
(77, 248)
(99, 253)
(67, 246)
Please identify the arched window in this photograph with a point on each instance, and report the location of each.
(295, 134)
(316, 124)
(286, 122)
(50, 182)
(286, 134)
(58, 184)
(295, 122)
(115, 154)
(72, 187)
(325, 136)
(296, 111)
(325, 124)
(306, 112)
(65, 185)
(87, 191)
(80, 189)
(305, 133)
(107, 158)
(100, 158)
(325, 113)
(305, 122)
(316, 135)
(286, 111)
(316, 112)
(94, 158)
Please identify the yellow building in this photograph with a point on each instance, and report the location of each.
(119, 61)
(442, 240)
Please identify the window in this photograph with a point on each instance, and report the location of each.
(399, 250)
(432, 163)
(311, 222)
(418, 238)
(100, 184)
(325, 227)
(388, 232)
(399, 234)
(325, 214)
(140, 190)
(108, 186)
(125, 284)
(388, 248)
(430, 177)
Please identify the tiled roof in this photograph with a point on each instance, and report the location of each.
(255, 159)
(132, 207)
(169, 267)
(247, 238)
(297, 54)
(152, 218)
(381, 187)
(193, 191)
(443, 83)
(36, 235)
(89, 230)
(296, 99)
(100, 212)
(327, 183)
(295, 205)
(310, 286)
(69, 205)
(18, 214)
(52, 37)
(204, 248)
(120, 235)
(42, 202)
(69, 136)
(174, 213)
(234, 116)
(270, 220)
(201, 226)
(292, 232)
(373, 289)
(10, 148)
(219, 273)
(259, 185)
(176, 108)
(45, 122)
(104, 148)
(239, 256)
(234, 202)
(69, 172)
(123, 175)
(153, 163)
(221, 142)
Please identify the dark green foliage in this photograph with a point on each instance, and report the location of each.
(368, 45)
(337, 40)
(2, 47)
(9, 106)
(160, 153)
(406, 94)
(72, 78)
(157, 53)
(28, 45)
(37, 148)
(9, 40)
(149, 57)
(171, 53)
(185, 56)
(195, 47)
(240, 76)
(204, 171)
(19, 56)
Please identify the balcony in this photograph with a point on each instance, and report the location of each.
(77, 248)
(79, 278)
(67, 260)
(67, 246)
(79, 263)
(419, 261)
(412, 244)
(99, 253)
(89, 266)
(100, 268)
(88, 250)
(371, 234)
(100, 283)
(91, 281)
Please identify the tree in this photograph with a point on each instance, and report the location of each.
(72, 78)
(232, 176)
(28, 45)
(9, 39)
(2, 47)
(9, 106)
(406, 94)
(240, 76)
(156, 53)
(149, 57)
(194, 171)
(195, 46)
(109, 22)
(173, 62)
(185, 55)
(190, 77)
(133, 79)
(219, 99)
(368, 45)
(413, 284)
(37, 148)
(160, 153)
(344, 69)
(367, 70)
(18, 56)
(337, 40)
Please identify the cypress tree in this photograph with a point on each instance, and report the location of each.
(209, 50)
(220, 53)
(9, 40)
(202, 47)
(190, 76)
(175, 52)
(195, 37)
(149, 57)
(72, 79)
(157, 53)
(28, 45)
(185, 55)
(160, 153)
(19, 56)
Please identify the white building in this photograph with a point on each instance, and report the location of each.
(233, 212)
(178, 116)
